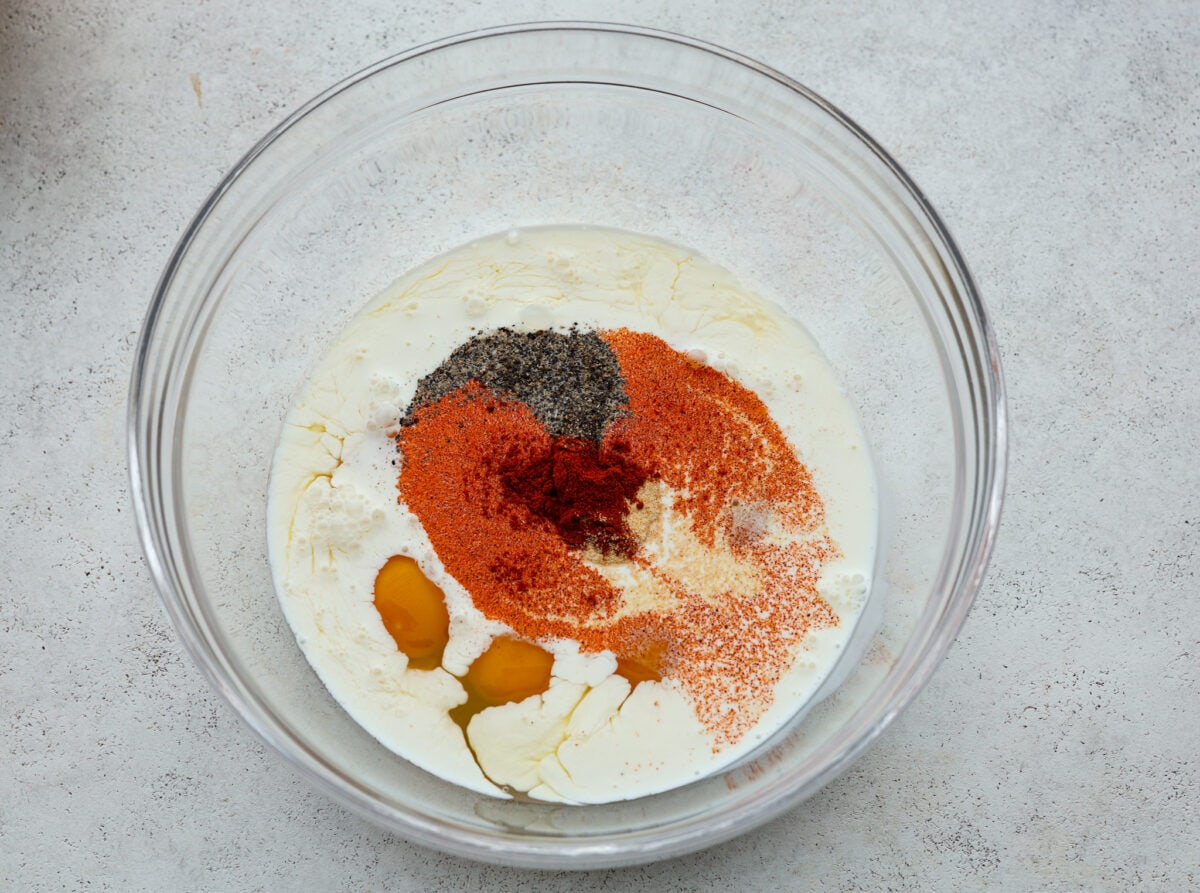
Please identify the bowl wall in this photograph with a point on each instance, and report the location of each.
(642, 131)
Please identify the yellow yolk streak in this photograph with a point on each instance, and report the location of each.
(414, 612)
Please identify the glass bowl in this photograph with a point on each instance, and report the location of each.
(571, 124)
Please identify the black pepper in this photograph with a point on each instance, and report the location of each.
(570, 380)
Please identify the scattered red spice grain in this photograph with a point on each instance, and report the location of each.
(472, 464)
(583, 488)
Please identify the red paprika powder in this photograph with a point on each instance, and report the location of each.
(583, 488)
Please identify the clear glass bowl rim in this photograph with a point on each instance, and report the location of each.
(144, 426)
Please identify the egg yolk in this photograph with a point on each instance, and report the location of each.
(413, 610)
(637, 671)
(510, 670)
(644, 665)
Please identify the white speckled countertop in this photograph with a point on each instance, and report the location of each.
(1057, 749)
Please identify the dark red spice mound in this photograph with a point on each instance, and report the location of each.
(583, 488)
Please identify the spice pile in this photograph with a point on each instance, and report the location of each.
(605, 488)
(569, 380)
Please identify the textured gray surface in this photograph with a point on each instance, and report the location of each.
(1058, 746)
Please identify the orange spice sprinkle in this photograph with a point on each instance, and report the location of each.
(713, 444)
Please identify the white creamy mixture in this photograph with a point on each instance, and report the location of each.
(334, 517)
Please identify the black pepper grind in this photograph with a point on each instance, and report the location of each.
(571, 380)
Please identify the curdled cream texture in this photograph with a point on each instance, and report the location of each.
(334, 516)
